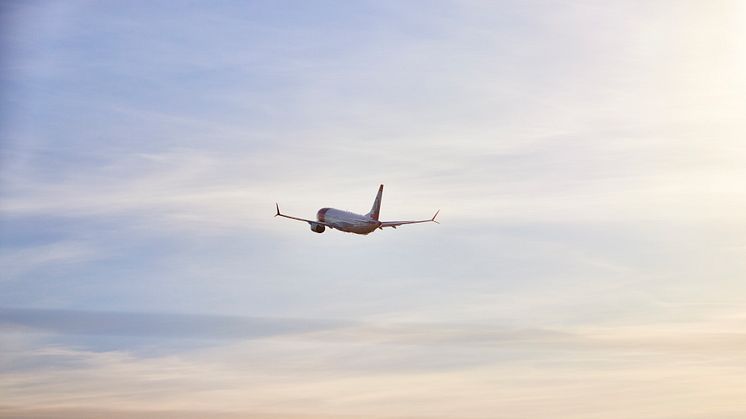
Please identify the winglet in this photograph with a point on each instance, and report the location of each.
(278, 209)
(433, 219)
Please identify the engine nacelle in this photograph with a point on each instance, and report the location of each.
(317, 228)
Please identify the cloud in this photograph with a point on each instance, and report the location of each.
(422, 370)
(240, 328)
(299, 114)
(24, 260)
(155, 325)
(93, 413)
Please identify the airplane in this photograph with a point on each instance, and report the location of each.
(353, 223)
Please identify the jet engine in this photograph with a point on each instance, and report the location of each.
(317, 228)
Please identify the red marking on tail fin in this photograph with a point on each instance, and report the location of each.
(376, 210)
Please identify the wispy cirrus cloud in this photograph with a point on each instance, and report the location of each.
(22, 260)
(155, 325)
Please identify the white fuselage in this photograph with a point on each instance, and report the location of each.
(347, 221)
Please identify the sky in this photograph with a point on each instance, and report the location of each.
(587, 159)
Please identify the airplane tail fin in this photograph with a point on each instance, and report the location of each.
(376, 210)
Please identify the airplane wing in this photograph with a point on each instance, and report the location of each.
(394, 224)
(312, 222)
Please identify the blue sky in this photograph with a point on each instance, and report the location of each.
(587, 160)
